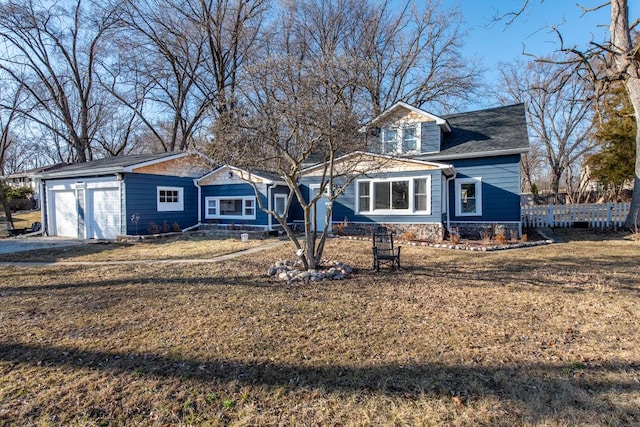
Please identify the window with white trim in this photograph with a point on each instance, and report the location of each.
(400, 140)
(395, 196)
(170, 199)
(280, 204)
(468, 196)
(230, 207)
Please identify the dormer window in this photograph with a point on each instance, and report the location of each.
(400, 140)
(389, 140)
(409, 139)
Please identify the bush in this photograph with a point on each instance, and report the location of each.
(19, 193)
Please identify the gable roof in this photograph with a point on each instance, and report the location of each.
(254, 175)
(493, 131)
(403, 105)
(110, 165)
(35, 171)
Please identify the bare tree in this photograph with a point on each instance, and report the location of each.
(50, 48)
(10, 100)
(412, 53)
(615, 59)
(559, 111)
(297, 110)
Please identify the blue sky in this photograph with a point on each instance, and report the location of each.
(493, 43)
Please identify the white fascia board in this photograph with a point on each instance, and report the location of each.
(478, 154)
(80, 173)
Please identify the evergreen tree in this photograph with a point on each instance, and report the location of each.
(613, 166)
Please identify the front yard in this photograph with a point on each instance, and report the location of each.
(540, 336)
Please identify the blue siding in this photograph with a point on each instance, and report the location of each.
(500, 187)
(430, 137)
(235, 190)
(345, 206)
(141, 199)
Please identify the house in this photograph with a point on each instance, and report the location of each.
(227, 198)
(434, 174)
(28, 179)
(113, 196)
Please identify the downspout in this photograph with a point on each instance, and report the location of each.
(44, 206)
(269, 206)
(452, 177)
(195, 182)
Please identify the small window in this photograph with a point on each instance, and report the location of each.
(389, 140)
(280, 201)
(364, 196)
(420, 195)
(409, 139)
(249, 207)
(212, 207)
(468, 197)
(170, 199)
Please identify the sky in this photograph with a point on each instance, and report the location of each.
(493, 42)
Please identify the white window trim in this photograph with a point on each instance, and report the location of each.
(409, 211)
(458, 185)
(244, 199)
(173, 206)
(399, 141)
(284, 203)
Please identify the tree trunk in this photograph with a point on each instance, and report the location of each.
(633, 219)
(5, 206)
(626, 63)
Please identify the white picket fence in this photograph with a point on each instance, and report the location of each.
(594, 215)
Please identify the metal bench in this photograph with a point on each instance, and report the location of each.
(384, 251)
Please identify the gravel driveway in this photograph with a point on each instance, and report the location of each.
(11, 245)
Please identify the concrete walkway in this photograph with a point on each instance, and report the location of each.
(147, 261)
(20, 244)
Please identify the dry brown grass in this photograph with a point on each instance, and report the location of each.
(541, 336)
(184, 247)
(24, 220)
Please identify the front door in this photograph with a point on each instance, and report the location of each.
(321, 209)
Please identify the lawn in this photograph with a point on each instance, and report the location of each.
(541, 336)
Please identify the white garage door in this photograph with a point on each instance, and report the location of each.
(104, 213)
(66, 213)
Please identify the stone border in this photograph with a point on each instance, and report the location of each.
(462, 246)
(289, 271)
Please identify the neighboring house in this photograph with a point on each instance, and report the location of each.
(114, 196)
(28, 179)
(228, 199)
(434, 174)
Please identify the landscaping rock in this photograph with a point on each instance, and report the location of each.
(290, 271)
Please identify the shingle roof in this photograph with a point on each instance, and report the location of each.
(107, 163)
(497, 130)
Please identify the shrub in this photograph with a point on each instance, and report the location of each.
(166, 227)
(524, 237)
(153, 228)
(501, 236)
(176, 227)
(454, 235)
